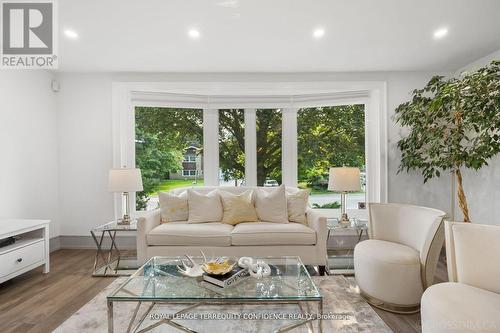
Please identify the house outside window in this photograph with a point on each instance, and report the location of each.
(191, 164)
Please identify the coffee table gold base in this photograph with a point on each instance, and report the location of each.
(134, 328)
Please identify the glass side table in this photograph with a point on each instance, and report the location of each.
(341, 257)
(111, 262)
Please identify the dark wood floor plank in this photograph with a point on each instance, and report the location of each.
(36, 302)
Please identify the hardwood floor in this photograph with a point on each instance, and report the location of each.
(34, 302)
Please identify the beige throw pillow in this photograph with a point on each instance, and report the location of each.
(297, 204)
(271, 205)
(173, 207)
(238, 207)
(204, 207)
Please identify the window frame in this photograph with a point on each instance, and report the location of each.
(127, 95)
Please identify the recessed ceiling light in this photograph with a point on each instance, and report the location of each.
(194, 34)
(318, 33)
(440, 33)
(70, 34)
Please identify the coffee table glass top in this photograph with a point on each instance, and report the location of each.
(159, 280)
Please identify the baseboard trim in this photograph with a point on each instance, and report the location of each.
(87, 242)
(55, 244)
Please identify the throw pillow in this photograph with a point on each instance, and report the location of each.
(173, 207)
(204, 207)
(238, 207)
(297, 204)
(271, 205)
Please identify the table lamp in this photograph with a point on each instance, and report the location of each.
(125, 181)
(344, 180)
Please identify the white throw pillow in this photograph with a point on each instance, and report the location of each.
(204, 207)
(238, 207)
(297, 204)
(173, 207)
(271, 205)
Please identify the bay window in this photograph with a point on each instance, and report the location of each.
(190, 140)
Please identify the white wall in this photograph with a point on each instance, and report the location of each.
(85, 152)
(85, 139)
(28, 147)
(480, 62)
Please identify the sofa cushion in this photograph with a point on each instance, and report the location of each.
(204, 207)
(173, 207)
(271, 205)
(456, 307)
(297, 204)
(269, 233)
(202, 234)
(238, 207)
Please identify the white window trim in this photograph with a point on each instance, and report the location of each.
(250, 147)
(212, 96)
(289, 147)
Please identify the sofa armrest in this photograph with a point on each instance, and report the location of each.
(145, 224)
(317, 222)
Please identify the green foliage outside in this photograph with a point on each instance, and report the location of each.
(331, 205)
(327, 136)
(170, 184)
(268, 145)
(232, 143)
(161, 137)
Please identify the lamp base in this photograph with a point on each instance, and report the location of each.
(125, 220)
(344, 220)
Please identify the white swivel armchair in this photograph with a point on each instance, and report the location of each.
(470, 302)
(398, 262)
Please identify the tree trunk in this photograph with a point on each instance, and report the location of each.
(462, 200)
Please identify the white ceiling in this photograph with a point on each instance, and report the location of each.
(275, 35)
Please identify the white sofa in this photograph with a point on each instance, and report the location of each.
(470, 302)
(398, 262)
(244, 239)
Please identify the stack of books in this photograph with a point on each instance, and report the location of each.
(231, 278)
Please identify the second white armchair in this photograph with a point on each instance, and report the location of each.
(470, 302)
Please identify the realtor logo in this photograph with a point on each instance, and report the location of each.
(28, 34)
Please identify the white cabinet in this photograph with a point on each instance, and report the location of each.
(30, 250)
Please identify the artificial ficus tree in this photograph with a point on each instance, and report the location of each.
(453, 124)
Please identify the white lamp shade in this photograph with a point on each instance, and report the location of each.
(125, 180)
(344, 179)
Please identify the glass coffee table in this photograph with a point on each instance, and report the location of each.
(159, 282)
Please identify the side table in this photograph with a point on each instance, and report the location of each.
(110, 262)
(343, 255)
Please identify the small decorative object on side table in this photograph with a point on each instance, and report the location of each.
(344, 180)
(342, 255)
(113, 262)
(125, 181)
